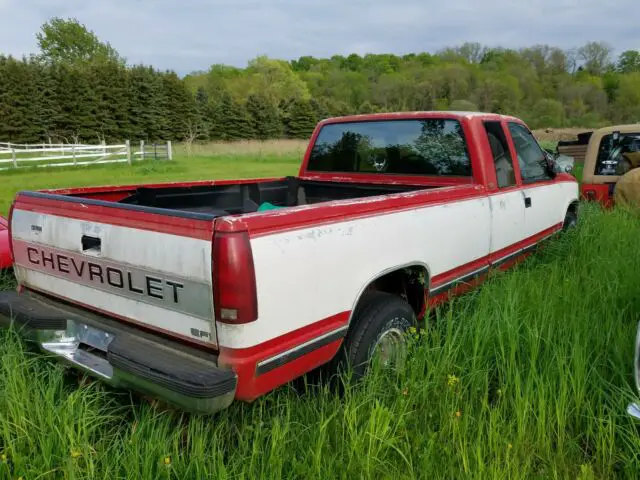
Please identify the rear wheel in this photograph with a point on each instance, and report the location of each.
(378, 333)
(570, 219)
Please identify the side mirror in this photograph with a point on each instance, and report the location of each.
(550, 162)
(563, 164)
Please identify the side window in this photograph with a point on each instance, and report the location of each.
(617, 157)
(531, 157)
(502, 160)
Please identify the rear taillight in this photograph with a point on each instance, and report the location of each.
(234, 277)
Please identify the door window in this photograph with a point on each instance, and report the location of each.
(503, 163)
(531, 157)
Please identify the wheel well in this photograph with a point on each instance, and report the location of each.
(410, 283)
(573, 207)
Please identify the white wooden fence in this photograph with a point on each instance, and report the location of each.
(13, 155)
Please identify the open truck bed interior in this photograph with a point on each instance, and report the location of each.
(236, 199)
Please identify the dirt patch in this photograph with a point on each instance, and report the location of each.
(557, 134)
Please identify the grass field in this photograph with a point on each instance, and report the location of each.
(528, 377)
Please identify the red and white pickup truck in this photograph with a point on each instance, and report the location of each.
(205, 292)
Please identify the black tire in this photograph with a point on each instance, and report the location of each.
(377, 314)
(570, 219)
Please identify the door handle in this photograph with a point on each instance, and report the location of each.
(527, 202)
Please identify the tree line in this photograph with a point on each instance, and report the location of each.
(78, 88)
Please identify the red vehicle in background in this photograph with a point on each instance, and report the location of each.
(5, 252)
(608, 153)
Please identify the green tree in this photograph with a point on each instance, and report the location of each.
(301, 120)
(463, 106)
(109, 83)
(392, 91)
(265, 117)
(17, 101)
(472, 52)
(627, 105)
(234, 120)
(84, 90)
(273, 79)
(179, 109)
(629, 61)
(69, 41)
(75, 121)
(201, 124)
(146, 112)
(548, 112)
(596, 57)
(46, 108)
(321, 109)
(303, 64)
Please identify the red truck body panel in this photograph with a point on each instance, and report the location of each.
(5, 249)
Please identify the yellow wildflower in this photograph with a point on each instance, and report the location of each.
(453, 380)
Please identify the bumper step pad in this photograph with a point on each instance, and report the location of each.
(122, 357)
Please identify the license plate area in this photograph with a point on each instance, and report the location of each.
(82, 345)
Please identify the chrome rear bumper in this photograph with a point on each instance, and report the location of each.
(121, 358)
(633, 409)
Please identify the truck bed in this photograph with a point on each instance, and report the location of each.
(242, 198)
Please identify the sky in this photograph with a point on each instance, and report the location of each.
(189, 35)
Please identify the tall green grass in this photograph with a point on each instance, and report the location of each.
(527, 377)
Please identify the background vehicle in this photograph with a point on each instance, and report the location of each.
(609, 153)
(5, 250)
(194, 293)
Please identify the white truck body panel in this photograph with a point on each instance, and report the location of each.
(140, 272)
(310, 274)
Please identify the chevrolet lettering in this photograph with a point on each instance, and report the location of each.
(131, 282)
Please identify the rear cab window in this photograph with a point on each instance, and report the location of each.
(433, 147)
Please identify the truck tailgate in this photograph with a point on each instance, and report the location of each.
(137, 264)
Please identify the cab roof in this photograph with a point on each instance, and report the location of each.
(454, 115)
